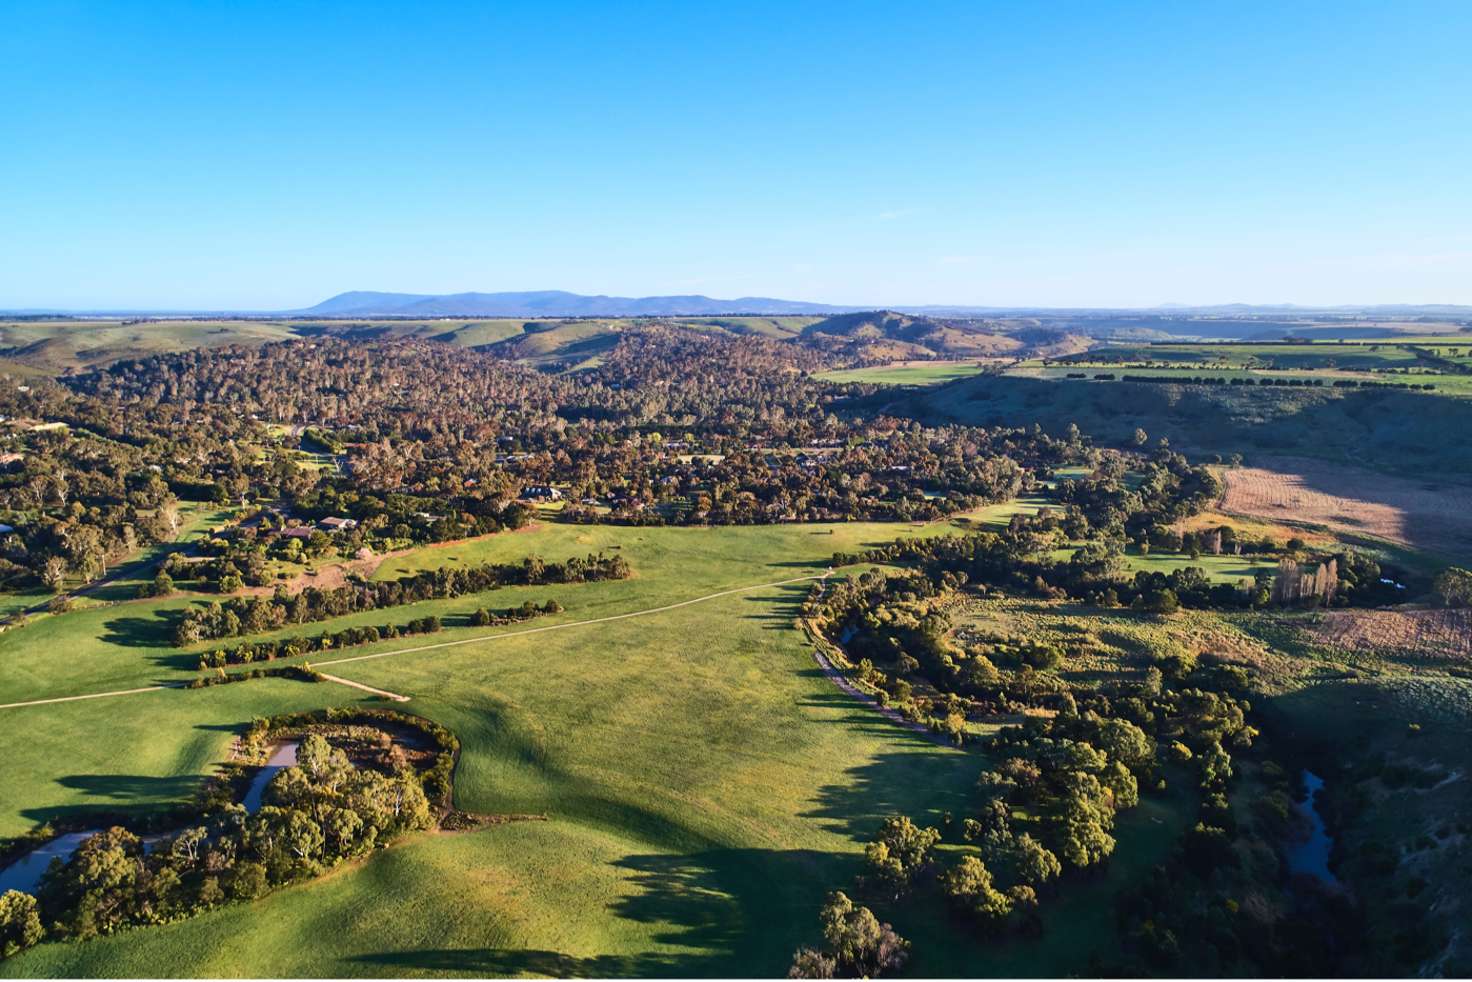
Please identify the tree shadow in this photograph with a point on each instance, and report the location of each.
(141, 632)
(117, 798)
(896, 783)
(512, 963)
(783, 605)
(734, 912)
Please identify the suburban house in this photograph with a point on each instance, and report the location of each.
(335, 524)
(298, 532)
(540, 492)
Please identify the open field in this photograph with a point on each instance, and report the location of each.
(910, 372)
(1444, 385)
(1436, 637)
(1425, 513)
(1399, 351)
(52, 347)
(704, 784)
(1109, 643)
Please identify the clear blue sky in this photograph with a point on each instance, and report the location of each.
(265, 155)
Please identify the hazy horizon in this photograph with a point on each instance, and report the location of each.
(293, 310)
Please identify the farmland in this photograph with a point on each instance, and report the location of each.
(1423, 512)
(1394, 431)
(1439, 637)
(644, 850)
(908, 372)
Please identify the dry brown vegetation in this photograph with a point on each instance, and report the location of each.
(1423, 513)
(1415, 634)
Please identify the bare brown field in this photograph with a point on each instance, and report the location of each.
(1423, 513)
(1415, 634)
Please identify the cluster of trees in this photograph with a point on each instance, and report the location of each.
(254, 615)
(1046, 811)
(672, 427)
(1020, 559)
(1453, 587)
(269, 650)
(20, 922)
(857, 945)
(388, 519)
(299, 673)
(513, 615)
(78, 505)
(319, 813)
(1218, 907)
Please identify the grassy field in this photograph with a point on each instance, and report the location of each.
(908, 372)
(50, 347)
(704, 785)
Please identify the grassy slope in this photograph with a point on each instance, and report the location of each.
(704, 784)
(52, 346)
(1393, 430)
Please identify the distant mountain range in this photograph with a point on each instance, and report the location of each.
(560, 303)
(549, 303)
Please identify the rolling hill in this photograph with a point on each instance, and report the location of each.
(887, 335)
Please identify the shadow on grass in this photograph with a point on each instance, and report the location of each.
(141, 632)
(784, 605)
(922, 784)
(734, 912)
(114, 798)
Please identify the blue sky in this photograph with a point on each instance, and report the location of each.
(267, 155)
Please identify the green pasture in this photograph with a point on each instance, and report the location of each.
(703, 785)
(907, 373)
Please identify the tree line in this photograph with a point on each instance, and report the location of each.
(237, 616)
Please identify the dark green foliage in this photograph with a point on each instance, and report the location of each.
(252, 615)
(318, 814)
(20, 922)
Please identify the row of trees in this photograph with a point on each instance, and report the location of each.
(268, 650)
(255, 615)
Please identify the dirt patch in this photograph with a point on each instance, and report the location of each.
(1415, 634)
(1426, 514)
